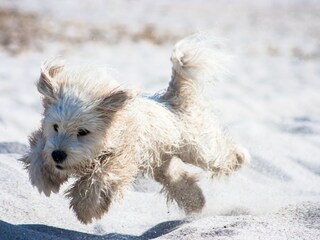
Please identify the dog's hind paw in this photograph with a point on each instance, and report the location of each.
(242, 157)
(233, 162)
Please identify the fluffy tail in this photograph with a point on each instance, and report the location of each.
(195, 60)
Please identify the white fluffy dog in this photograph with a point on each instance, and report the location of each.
(104, 135)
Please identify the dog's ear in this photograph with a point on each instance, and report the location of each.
(46, 84)
(114, 101)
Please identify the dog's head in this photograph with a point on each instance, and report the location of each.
(80, 105)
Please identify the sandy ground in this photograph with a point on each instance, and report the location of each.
(269, 103)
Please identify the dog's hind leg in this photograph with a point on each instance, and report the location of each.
(180, 185)
(196, 60)
(223, 158)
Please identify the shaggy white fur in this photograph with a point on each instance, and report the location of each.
(104, 135)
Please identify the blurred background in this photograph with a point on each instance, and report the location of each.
(270, 102)
(276, 45)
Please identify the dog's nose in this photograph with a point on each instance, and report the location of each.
(58, 156)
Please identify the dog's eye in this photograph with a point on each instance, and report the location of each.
(55, 127)
(83, 132)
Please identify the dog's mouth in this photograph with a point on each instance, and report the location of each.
(59, 167)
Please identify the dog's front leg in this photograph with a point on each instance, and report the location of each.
(92, 194)
(41, 174)
(89, 197)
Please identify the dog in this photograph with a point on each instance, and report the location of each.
(104, 135)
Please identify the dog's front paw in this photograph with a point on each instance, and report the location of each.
(86, 212)
(89, 200)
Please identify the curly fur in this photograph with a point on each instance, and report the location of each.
(129, 133)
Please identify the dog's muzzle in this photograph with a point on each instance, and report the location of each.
(59, 156)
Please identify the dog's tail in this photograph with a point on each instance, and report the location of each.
(197, 59)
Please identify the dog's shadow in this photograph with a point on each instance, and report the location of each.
(36, 231)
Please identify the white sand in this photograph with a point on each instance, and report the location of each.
(270, 104)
